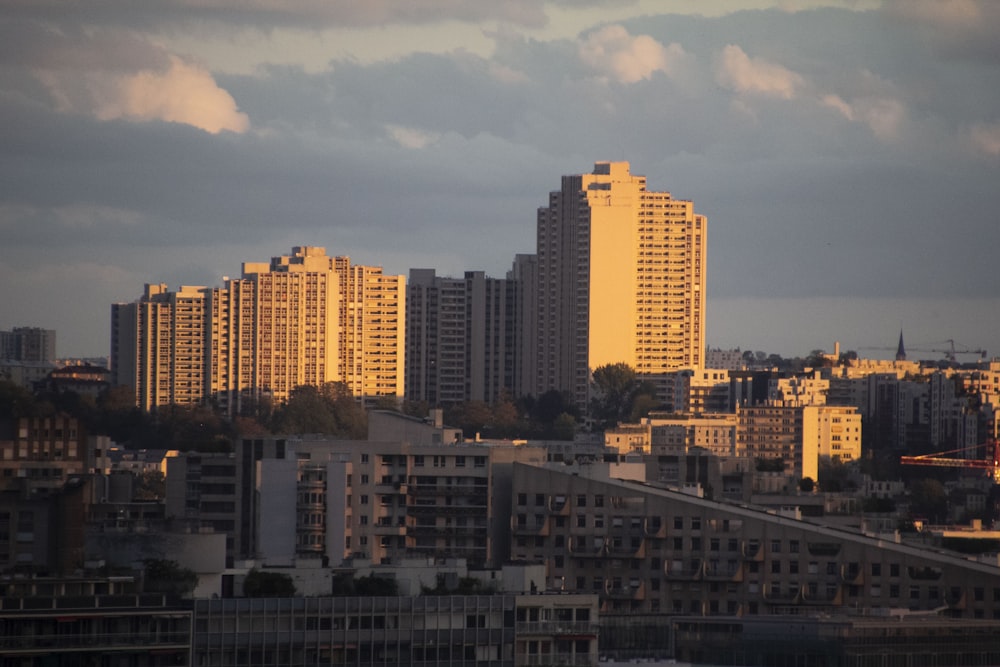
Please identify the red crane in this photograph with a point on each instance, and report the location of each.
(990, 462)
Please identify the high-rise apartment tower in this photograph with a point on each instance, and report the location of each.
(301, 319)
(621, 278)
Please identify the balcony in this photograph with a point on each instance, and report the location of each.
(854, 576)
(752, 550)
(781, 594)
(724, 572)
(829, 596)
(540, 529)
(557, 628)
(627, 549)
(588, 545)
(683, 571)
(558, 505)
(555, 660)
(626, 592)
(654, 526)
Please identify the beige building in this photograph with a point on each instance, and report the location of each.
(799, 435)
(799, 390)
(302, 319)
(621, 278)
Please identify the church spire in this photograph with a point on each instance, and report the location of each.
(901, 350)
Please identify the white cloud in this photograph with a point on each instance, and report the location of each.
(986, 137)
(184, 93)
(409, 137)
(738, 71)
(179, 93)
(837, 102)
(884, 116)
(629, 59)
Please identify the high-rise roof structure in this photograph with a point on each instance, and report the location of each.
(621, 278)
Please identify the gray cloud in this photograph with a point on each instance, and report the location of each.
(872, 174)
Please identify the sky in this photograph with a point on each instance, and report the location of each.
(845, 152)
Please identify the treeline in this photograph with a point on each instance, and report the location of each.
(330, 410)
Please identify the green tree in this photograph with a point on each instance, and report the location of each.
(149, 485)
(928, 498)
(613, 386)
(564, 427)
(258, 584)
(329, 409)
(166, 576)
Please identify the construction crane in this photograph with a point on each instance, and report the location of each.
(990, 462)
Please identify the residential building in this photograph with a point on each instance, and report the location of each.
(799, 436)
(697, 391)
(672, 434)
(730, 360)
(647, 550)
(46, 451)
(28, 344)
(523, 276)
(382, 501)
(621, 278)
(460, 338)
(302, 319)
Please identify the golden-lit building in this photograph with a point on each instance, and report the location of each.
(799, 435)
(621, 278)
(158, 346)
(302, 319)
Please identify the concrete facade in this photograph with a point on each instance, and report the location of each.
(621, 278)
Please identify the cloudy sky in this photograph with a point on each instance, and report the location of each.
(846, 153)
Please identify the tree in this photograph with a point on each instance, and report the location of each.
(807, 485)
(149, 485)
(329, 409)
(927, 498)
(613, 385)
(166, 576)
(268, 585)
(564, 427)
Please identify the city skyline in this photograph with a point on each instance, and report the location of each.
(846, 153)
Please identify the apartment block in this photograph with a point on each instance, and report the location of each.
(382, 501)
(300, 319)
(799, 436)
(32, 344)
(621, 278)
(649, 550)
(674, 434)
(461, 337)
(45, 451)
